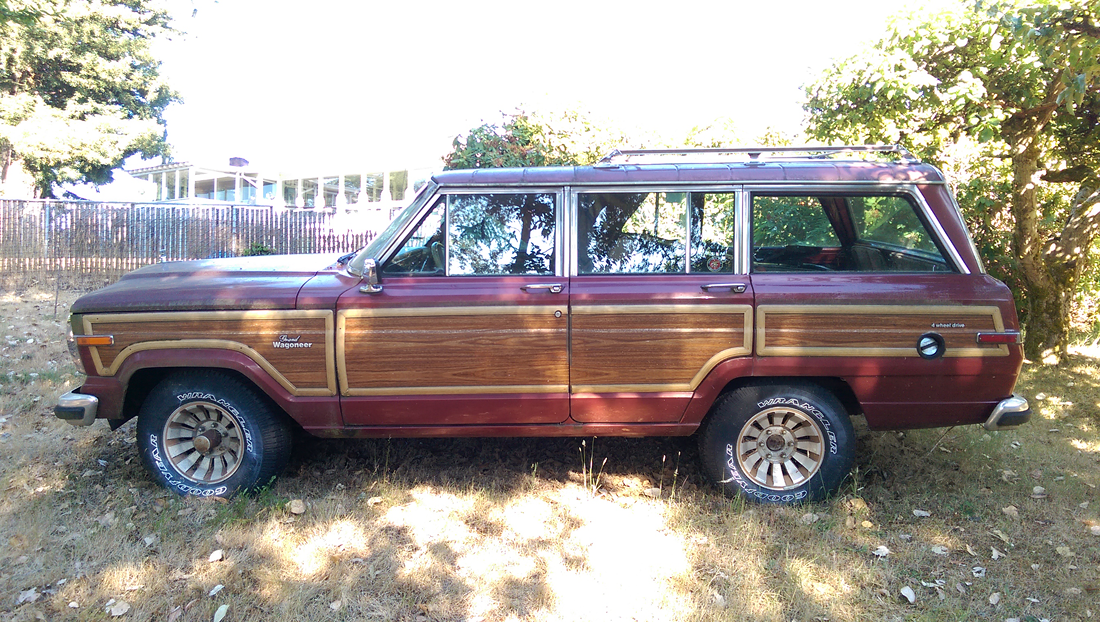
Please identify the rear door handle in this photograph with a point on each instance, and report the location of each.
(737, 288)
(553, 288)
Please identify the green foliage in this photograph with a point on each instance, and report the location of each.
(534, 139)
(80, 89)
(997, 95)
(25, 14)
(1062, 35)
(257, 248)
(790, 220)
(518, 142)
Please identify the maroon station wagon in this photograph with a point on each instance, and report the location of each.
(756, 297)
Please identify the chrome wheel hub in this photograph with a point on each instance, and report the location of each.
(203, 442)
(780, 448)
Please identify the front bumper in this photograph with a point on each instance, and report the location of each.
(1009, 413)
(77, 408)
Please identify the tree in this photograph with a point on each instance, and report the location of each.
(80, 90)
(23, 14)
(535, 139)
(518, 141)
(1019, 80)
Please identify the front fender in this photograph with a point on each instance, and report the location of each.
(309, 411)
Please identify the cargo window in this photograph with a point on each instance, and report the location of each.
(847, 232)
(890, 220)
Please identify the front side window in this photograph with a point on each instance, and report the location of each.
(847, 232)
(481, 234)
(501, 234)
(423, 251)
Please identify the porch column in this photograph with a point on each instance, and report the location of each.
(341, 200)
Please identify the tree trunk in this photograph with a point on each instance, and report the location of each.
(1047, 307)
(1045, 327)
(1067, 256)
(5, 158)
(1051, 268)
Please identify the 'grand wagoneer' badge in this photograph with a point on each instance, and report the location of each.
(287, 342)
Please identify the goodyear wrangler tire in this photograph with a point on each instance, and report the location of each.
(778, 443)
(206, 434)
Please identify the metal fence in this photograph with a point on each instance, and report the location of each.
(82, 243)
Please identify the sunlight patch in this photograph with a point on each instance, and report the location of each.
(314, 555)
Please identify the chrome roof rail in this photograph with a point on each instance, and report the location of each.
(618, 157)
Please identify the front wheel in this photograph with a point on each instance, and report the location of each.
(781, 443)
(206, 434)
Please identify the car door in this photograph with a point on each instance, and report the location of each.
(470, 325)
(658, 299)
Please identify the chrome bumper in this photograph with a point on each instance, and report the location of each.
(77, 408)
(1010, 413)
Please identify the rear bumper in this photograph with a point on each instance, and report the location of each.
(77, 408)
(1009, 413)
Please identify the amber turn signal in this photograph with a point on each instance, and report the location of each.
(95, 340)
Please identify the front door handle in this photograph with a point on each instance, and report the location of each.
(553, 288)
(737, 288)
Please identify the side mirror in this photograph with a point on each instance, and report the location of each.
(370, 272)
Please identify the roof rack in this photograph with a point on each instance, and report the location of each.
(621, 156)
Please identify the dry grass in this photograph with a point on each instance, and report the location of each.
(502, 529)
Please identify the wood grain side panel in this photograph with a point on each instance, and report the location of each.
(666, 350)
(276, 340)
(498, 352)
(867, 330)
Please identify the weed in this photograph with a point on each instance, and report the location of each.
(675, 476)
(591, 479)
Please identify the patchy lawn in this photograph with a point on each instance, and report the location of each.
(970, 524)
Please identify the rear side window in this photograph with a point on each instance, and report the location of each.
(848, 232)
(656, 232)
(632, 232)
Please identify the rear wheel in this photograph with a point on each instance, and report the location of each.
(778, 443)
(205, 433)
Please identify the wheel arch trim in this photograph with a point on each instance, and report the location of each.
(219, 352)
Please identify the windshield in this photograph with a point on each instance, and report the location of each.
(375, 247)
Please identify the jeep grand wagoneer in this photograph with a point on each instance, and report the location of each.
(756, 297)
